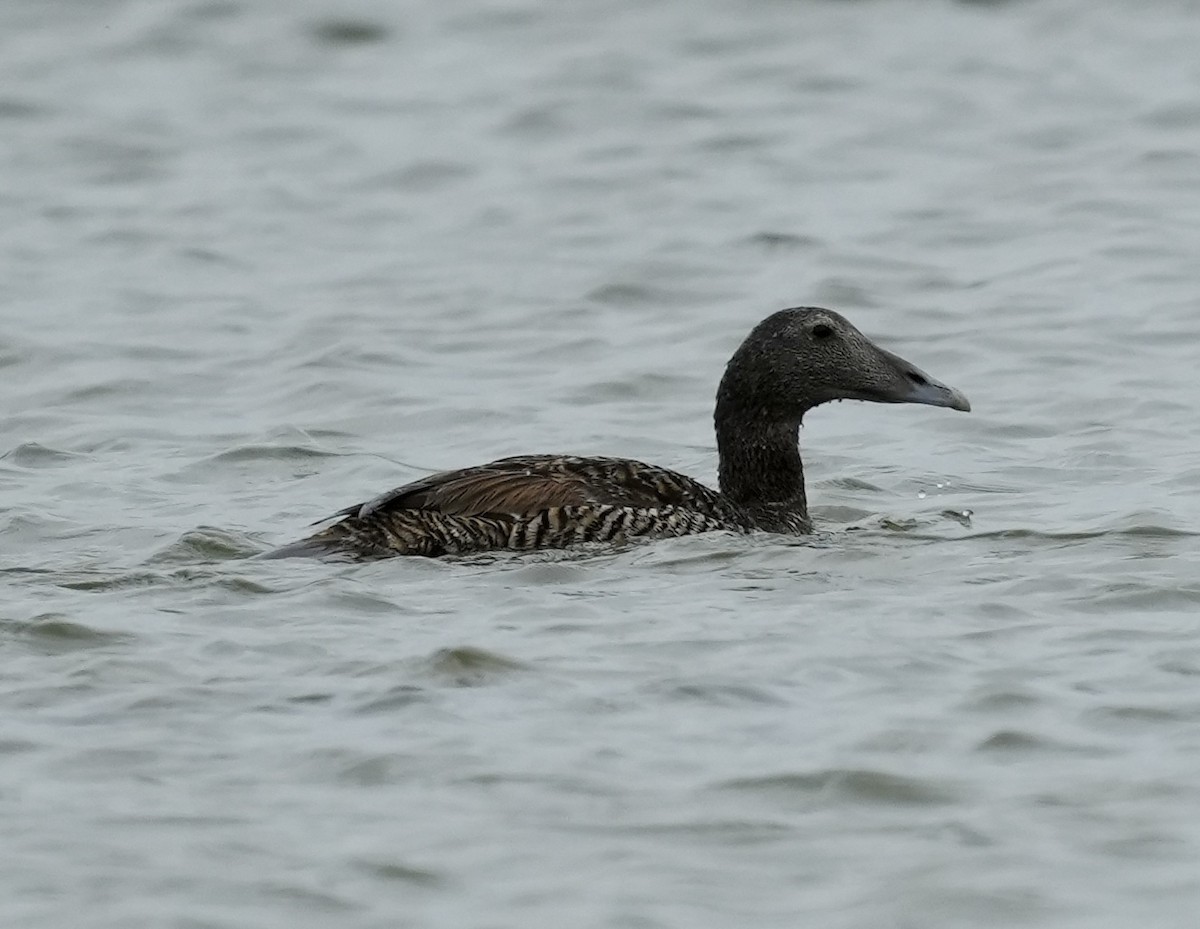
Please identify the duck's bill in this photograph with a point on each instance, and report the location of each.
(937, 394)
(912, 385)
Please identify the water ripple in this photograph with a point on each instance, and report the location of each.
(852, 785)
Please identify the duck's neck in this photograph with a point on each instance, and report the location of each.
(760, 467)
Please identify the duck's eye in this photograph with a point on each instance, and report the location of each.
(822, 331)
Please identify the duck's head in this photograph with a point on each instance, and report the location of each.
(802, 357)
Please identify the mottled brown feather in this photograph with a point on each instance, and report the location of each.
(526, 485)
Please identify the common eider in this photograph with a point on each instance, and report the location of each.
(792, 361)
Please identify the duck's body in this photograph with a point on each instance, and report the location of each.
(791, 362)
(532, 501)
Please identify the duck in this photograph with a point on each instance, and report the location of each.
(791, 362)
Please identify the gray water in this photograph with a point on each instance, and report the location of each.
(259, 261)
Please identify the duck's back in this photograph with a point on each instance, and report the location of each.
(527, 502)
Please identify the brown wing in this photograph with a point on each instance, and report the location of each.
(529, 484)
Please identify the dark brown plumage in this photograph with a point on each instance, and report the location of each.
(792, 361)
